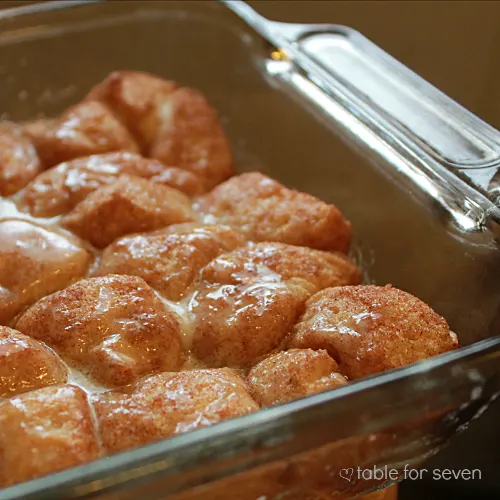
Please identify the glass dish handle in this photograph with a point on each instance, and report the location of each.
(457, 151)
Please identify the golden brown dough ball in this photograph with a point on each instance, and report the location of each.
(169, 261)
(35, 262)
(293, 374)
(138, 99)
(369, 329)
(234, 324)
(321, 269)
(174, 124)
(114, 328)
(59, 189)
(192, 138)
(26, 364)
(170, 403)
(19, 161)
(82, 130)
(249, 299)
(128, 205)
(265, 210)
(45, 431)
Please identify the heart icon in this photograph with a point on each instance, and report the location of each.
(346, 473)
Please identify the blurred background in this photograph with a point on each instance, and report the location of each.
(455, 46)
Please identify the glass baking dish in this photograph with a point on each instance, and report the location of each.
(325, 111)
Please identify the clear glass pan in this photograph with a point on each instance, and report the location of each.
(416, 226)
